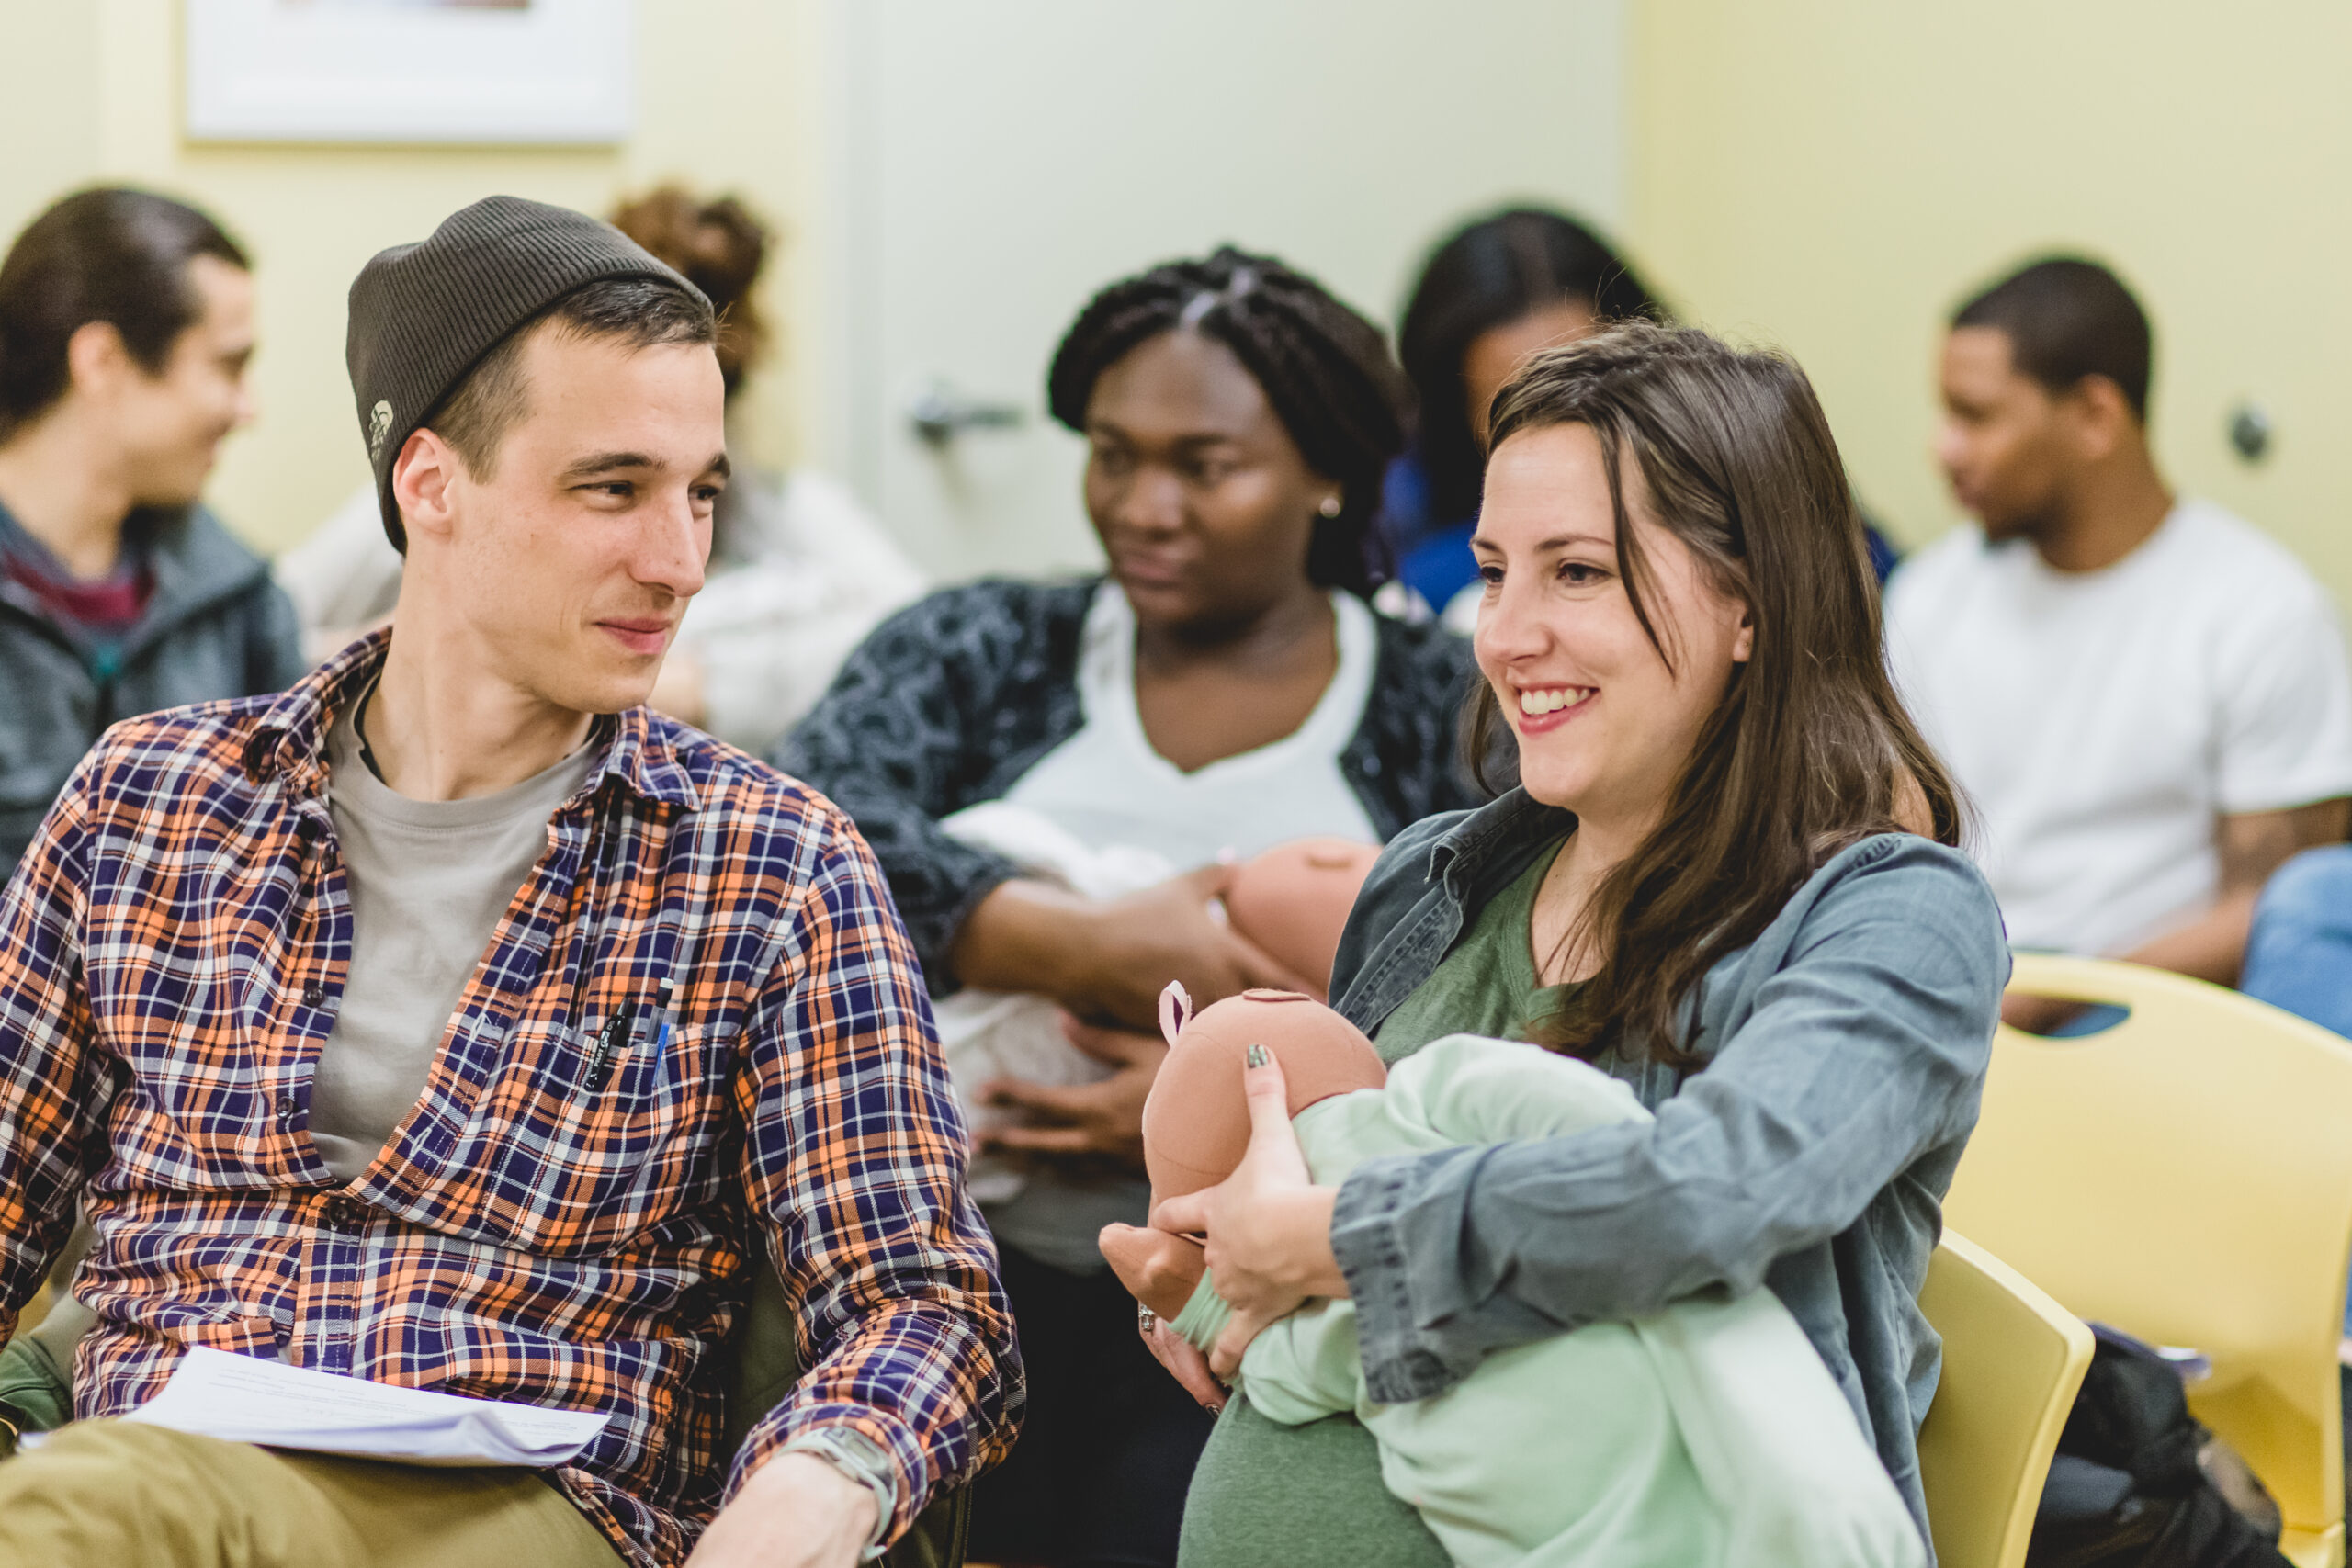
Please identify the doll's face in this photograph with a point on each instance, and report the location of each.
(1196, 1124)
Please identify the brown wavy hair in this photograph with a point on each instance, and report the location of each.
(1810, 749)
(718, 246)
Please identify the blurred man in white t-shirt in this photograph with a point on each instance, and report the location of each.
(2147, 697)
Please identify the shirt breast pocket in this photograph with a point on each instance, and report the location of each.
(587, 1156)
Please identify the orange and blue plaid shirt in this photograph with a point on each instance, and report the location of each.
(173, 948)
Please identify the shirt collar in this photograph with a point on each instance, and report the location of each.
(290, 736)
(1509, 825)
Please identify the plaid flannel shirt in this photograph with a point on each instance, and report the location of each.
(172, 951)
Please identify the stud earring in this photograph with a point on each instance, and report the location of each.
(1330, 507)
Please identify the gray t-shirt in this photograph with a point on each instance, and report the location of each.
(430, 880)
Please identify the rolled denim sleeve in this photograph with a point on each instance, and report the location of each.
(1853, 1037)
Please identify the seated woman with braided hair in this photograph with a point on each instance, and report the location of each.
(1225, 687)
(1728, 877)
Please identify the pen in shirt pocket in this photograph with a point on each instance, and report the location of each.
(617, 1029)
(627, 1028)
(665, 1015)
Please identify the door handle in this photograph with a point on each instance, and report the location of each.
(940, 414)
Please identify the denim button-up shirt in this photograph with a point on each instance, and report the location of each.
(1844, 1051)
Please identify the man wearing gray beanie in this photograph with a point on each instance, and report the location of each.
(452, 1021)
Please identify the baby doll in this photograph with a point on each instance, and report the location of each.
(1709, 1433)
(1291, 901)
(987, 1035)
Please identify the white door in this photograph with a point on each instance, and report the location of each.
(995, 162)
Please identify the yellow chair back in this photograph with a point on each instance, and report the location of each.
(2186, 1175)
(2013, 1358)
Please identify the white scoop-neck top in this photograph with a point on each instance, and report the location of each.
(1106, 786)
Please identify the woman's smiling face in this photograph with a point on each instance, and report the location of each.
(1605, 723)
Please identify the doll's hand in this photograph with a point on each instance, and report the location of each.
(1267, 1226)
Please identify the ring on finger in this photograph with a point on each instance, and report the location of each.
(1146, 1321)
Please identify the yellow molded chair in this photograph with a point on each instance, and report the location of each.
(2186, 1175)
(2013, 1358)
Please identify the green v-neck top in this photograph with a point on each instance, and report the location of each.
(1488, 984)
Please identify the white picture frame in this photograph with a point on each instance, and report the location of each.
(535, 72)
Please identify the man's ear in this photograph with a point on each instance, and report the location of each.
(422, 476)
(96, 361)
(2098, 417)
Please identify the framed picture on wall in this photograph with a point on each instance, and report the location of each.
(469, 71)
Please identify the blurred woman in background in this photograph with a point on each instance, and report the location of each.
(1492, 294)
(1225, 688)
(1489, 296)
(798, 571)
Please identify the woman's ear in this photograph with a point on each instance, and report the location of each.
(1743, 642)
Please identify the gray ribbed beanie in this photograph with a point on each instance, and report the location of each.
(423, 315)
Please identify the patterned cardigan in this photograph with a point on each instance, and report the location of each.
(952, 700)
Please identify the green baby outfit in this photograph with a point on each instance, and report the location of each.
(1709, 1434)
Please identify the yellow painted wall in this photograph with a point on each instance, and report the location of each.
(716, 104)
(1834, 175)
(1831, 175)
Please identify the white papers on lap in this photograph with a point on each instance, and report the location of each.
(241, 1399)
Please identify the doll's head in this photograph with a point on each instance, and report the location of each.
(1196, 1124)
(1293, 900)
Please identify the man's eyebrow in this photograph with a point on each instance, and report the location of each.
(606, 462)
(720, 466)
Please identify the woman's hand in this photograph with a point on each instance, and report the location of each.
(1090, 1120)
(1110, 959)
(1186, 1365)
(1145, 940)
(1267, 1226)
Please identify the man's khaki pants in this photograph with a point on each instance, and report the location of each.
(125, 1495)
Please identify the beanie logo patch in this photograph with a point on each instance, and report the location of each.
(379, 424)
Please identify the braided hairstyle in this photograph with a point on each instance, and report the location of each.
(1324, 369)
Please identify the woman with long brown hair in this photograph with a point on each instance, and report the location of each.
(1726, 875)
